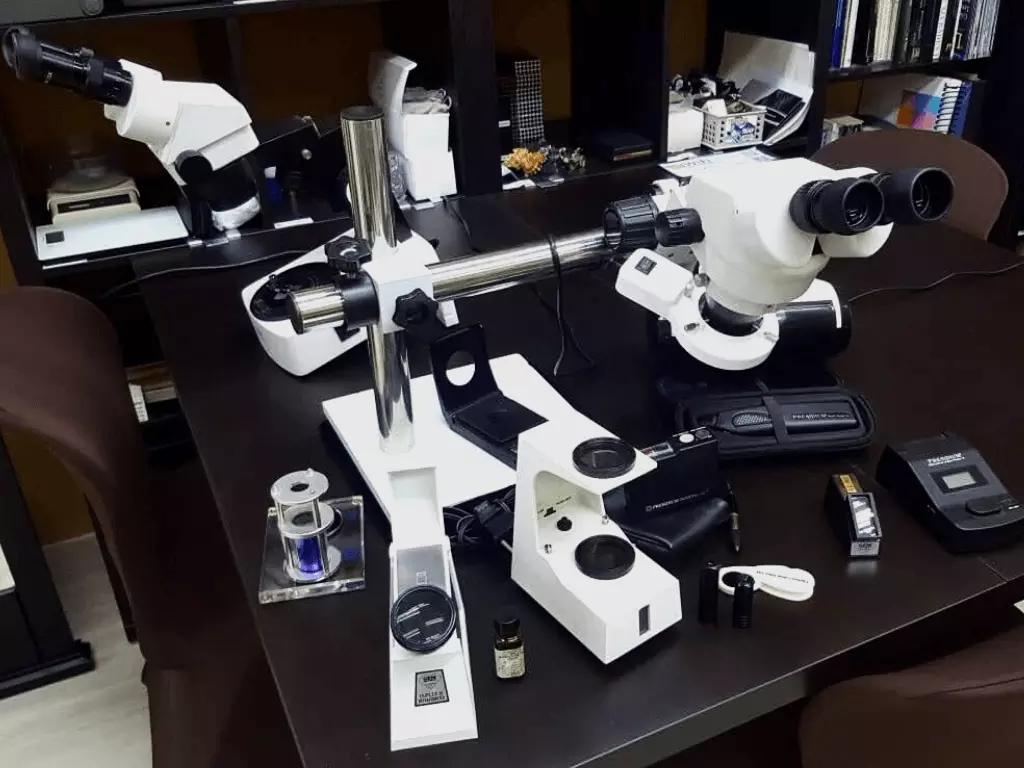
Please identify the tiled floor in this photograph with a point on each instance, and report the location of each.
(99, 719)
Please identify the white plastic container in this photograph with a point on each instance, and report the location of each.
(738, 129)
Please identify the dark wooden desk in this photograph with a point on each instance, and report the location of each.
(252, 422)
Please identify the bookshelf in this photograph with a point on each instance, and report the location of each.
(885, 68)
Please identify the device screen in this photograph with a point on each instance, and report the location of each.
(958, 480)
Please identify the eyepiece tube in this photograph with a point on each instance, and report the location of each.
(837, 207)
(78, 70)
(915, 195)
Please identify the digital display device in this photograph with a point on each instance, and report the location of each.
(958, 480)
(946, 482)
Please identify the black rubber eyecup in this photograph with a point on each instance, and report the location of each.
(603, 457)
(605, 557)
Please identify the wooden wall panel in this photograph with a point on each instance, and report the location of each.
(843, 98)
(687, 30)
(540, 27)
(308, 62)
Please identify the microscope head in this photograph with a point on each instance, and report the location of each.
(762, 225)
(761, 234)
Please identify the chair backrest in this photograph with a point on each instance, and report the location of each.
(981, 184)
(62, 380)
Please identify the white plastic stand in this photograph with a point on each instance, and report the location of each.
(431, 693)
(558, 508)
(412, 492)
(463, 470)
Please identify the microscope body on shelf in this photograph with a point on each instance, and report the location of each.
(610, 617)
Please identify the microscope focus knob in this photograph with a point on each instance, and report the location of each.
(681, 226)
(629, 224)
(414, 309)
(348, 254)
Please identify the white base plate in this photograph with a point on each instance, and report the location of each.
(463, 470)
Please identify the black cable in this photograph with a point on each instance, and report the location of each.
(566, 333)
(197, 268)
(937, 283)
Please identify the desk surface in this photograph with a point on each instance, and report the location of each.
(927, 361)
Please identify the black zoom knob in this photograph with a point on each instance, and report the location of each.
(348, 254)
(678, 227)
(629, 224)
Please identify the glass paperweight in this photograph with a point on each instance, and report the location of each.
(313, 546)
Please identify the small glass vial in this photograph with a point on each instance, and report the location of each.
(509, 651)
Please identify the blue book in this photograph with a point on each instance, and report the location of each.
(837, 33)
(963, 103)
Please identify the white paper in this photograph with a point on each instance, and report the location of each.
(6, 577)
(773, 64)
(686, 165)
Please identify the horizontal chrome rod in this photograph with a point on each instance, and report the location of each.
(474, 275)
(353, 305)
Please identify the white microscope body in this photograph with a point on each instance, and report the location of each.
(753, 259)
(560, 520)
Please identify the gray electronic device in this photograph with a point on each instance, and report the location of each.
(22, 11)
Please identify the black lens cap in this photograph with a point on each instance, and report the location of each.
(605, 557)
(423, 618)
(603, 457)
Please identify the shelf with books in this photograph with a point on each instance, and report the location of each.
(883, 68)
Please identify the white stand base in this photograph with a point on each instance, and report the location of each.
(463, 470)
(411, 499)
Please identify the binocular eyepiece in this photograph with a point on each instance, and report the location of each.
(78, 70)
(854, 205)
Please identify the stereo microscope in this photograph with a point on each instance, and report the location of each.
(198, 131)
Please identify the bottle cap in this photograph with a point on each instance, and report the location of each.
(506, 626)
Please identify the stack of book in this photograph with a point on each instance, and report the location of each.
(908, 32)
(950, 105)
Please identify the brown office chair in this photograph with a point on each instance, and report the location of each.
(960, 711)
(981, 184)
(211, 698)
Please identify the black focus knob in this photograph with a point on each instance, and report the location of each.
(629, 224)
(678, 227)
(348, 254)
(413, 309)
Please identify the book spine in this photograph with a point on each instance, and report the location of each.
(952, 23)
(894, 25)
(940, 30)
(916, 32)
(837, 34)
(928, 24)
(962, 30)
(849, 28)
(864, 35)
(903, 30)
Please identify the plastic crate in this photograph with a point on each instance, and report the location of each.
(738, 129)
